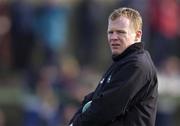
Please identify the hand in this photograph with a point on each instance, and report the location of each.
(86, 106)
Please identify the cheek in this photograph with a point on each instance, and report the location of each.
(108, 38)
(129, 39)
(124, 39)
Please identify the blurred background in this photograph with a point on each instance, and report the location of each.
(53, 52)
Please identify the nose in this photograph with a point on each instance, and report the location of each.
(114, 36)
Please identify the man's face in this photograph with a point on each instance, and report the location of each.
(121, 35)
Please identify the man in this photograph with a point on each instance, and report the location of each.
(127, 93)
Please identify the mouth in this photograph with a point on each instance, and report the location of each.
(115, 45)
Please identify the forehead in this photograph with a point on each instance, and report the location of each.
(119, 23)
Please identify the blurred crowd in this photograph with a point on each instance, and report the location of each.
(53, 52)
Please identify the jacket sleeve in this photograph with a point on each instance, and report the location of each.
(85, 100)
(115, 97)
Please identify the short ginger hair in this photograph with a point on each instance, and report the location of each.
(132, 14)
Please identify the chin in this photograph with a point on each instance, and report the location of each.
(115, 53)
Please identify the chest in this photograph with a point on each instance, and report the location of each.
(105, 80)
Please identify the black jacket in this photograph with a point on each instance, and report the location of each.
(126, 95)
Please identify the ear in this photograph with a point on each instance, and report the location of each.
(138, 36)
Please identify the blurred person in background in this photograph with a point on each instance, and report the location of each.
(41, 106)
(169, 82)
(87, 21)
(5, 26)
(127, 93)
(163, 29)
(51, 28)
(22, 33)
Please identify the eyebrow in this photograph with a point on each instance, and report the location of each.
(121, 31)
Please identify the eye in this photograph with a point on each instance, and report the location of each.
(121, 32)
(110, 32)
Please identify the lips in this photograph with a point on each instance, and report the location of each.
(115, 45)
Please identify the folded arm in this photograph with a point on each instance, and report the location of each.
(112, 102)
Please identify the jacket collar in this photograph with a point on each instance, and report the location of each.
(132, 48)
